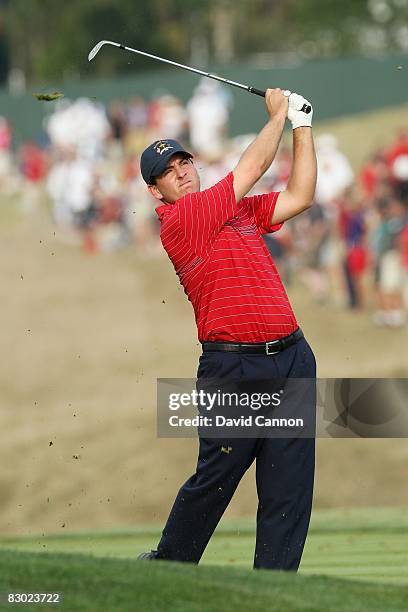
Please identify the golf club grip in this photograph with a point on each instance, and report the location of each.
(306, 108)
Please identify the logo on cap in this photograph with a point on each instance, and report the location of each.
(162, 146)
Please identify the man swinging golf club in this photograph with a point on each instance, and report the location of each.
(246, 326)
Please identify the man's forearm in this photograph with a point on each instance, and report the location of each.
(261, 152)
(259, 155)
(302, 181)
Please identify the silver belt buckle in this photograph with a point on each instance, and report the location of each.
(269, 345)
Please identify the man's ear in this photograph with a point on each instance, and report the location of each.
(155, 192)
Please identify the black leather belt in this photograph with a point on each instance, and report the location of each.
(267, 348)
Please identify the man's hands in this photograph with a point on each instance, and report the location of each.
(276, 103)
(257, 158)
(297, 117)
(283, 103)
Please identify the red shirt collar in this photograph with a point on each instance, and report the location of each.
(160, 210)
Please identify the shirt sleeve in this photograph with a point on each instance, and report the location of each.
(262, 207)
(203, 214)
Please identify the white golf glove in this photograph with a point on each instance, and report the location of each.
(297, 117)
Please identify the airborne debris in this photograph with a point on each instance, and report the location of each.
(48, 97)
(51, 443)
(399, 67)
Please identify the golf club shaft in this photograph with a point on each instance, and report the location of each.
(258, 92)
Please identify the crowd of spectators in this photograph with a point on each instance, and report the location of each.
(350, 248)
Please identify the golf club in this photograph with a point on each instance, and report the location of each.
(258, 92)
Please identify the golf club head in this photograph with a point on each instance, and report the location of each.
(97, 48)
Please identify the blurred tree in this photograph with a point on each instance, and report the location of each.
(316, 28)
(48, 43)
(223, 20)
(4, 55)
(49, 39)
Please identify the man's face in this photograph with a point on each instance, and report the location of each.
(179, 178)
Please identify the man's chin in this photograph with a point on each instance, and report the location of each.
(185, 190)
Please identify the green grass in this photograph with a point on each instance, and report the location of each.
(89, 583)
(353, 560)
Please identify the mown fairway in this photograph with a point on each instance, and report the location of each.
(361, 544)
(89, 583)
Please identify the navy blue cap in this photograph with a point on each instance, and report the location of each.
(154, 159)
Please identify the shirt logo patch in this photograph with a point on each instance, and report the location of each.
(162, 146)
(242, 227)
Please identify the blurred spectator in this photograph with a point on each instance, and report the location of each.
(208, 116)
(281, 167)
(397, 160)
(33, 167)
(334, 171)
(352, 227)
(118, 121)
(137, 125)
(6, 167)
(118, 127)
(137, 114)
(70, 184)
(403, 244)
(173, 118)
(5, 134)
(373, 175)
(141, 217)
(316, 230)
(390, 247)
(281, 246)
(81, 124)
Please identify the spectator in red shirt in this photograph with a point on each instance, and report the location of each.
(34, 166)
(5, 134)
(373, 174)
(248, 332)
(6, 161)
(352, 229)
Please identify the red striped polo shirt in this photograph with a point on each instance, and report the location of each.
(222, 262)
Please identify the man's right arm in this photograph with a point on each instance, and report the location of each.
(257, 158)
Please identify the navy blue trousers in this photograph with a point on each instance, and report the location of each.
(284, 472)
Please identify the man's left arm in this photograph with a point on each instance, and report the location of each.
(300, 190)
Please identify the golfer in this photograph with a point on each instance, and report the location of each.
(246, 326)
